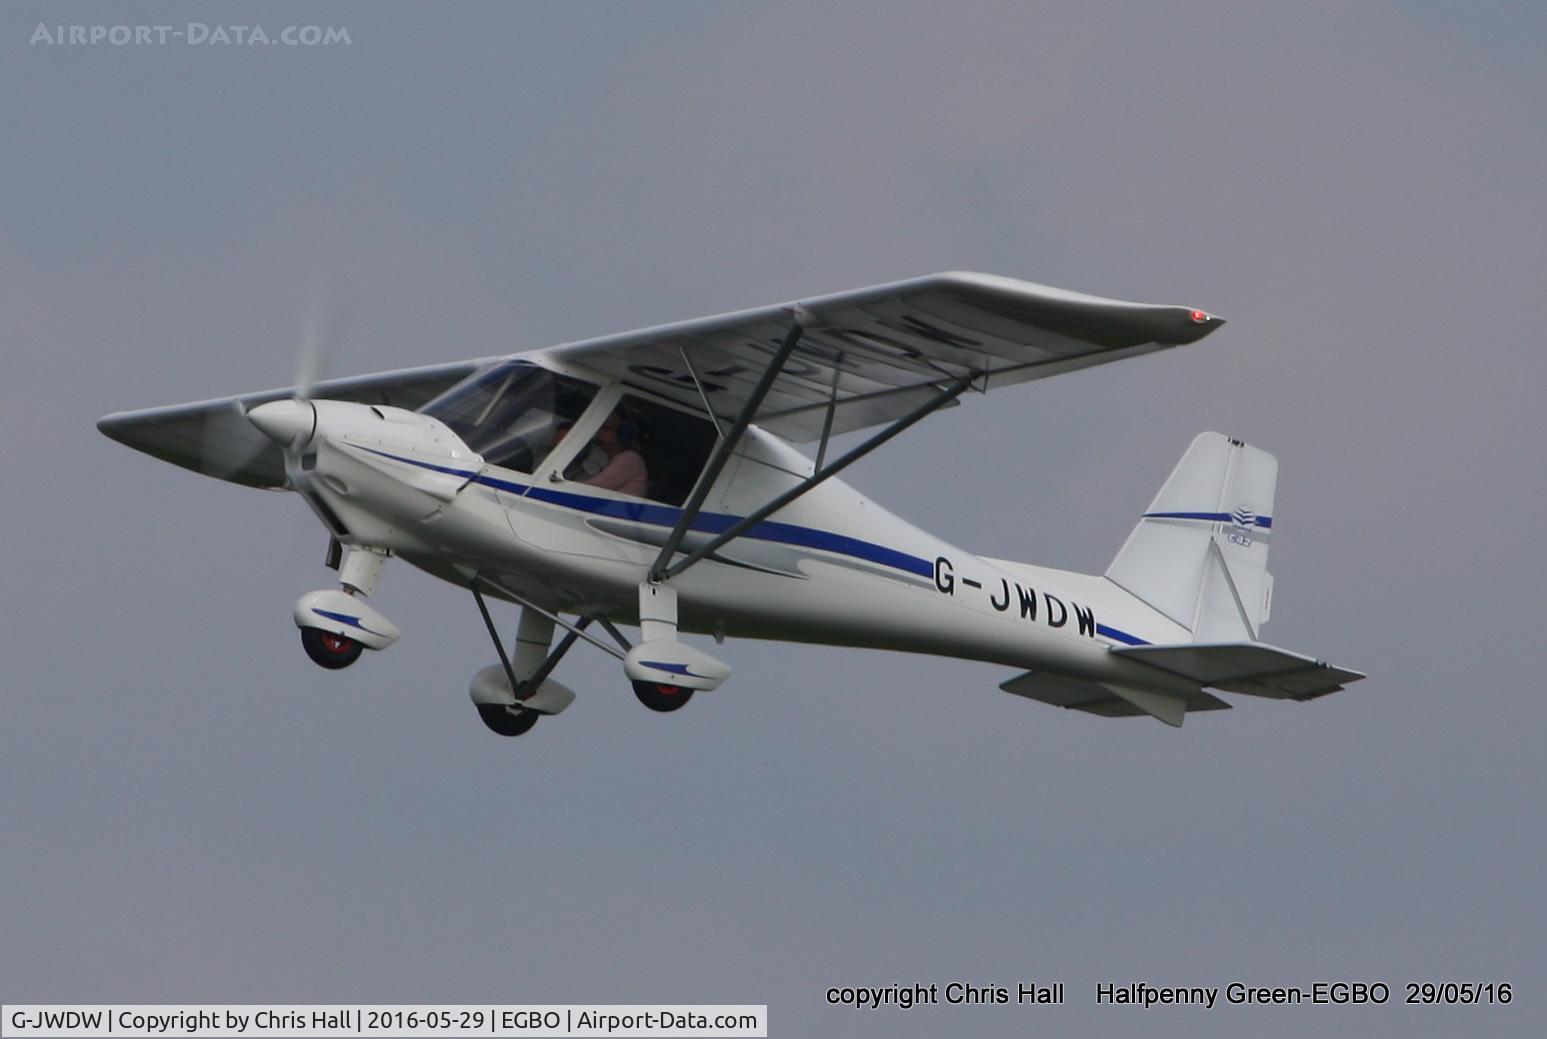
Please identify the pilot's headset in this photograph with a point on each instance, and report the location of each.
(628, 429)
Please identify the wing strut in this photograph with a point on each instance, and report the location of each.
(954, 390)
(617, 635)
(698, 384)
(722, 454)
(832, 409)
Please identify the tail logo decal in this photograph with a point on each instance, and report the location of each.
(1245, 528)
(1244, 519)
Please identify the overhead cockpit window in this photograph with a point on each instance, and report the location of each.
(514, 413)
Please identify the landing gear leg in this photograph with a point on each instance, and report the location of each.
(508, 703)
(335, 623)
(664, 672)
(532, 636)
(658, 625)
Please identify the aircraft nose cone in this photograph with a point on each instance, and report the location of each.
(284, 421)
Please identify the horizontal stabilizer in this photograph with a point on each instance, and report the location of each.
(1109, 701)
(1246, 667)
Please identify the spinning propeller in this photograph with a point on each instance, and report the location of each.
(248, 432)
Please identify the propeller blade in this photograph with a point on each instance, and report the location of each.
(311, 344)
(243, 436)
(322, 327)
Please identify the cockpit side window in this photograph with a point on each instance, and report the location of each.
(647, 450)
(514, 413)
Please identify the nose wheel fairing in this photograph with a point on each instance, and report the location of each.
(335, 612)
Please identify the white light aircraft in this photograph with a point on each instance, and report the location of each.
(646, 479)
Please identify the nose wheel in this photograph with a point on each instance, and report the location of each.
(660, 697)
(329, 650)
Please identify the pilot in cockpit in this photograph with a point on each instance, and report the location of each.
(611, 461)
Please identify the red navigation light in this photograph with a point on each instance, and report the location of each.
(1199, 317)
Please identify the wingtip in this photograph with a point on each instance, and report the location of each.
(112, 426)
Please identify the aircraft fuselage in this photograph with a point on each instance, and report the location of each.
(833, 567)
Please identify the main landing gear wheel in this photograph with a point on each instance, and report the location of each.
(329, 650)
(660, 697)
(507, 720)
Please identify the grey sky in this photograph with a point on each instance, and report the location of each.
(193, 811)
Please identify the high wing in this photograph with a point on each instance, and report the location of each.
(214, 436)
(873, 355)
(864, 357)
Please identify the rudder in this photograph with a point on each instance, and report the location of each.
(1199, 554)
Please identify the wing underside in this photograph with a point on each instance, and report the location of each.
(872, 355)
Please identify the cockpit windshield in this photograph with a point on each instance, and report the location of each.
(514, 413)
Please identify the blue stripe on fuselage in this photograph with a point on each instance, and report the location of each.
(1119, 636)
(705, 522)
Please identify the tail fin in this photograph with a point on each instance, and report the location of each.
(1200, 553)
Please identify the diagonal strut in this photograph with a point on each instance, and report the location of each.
(722, 452)
(747, 522)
